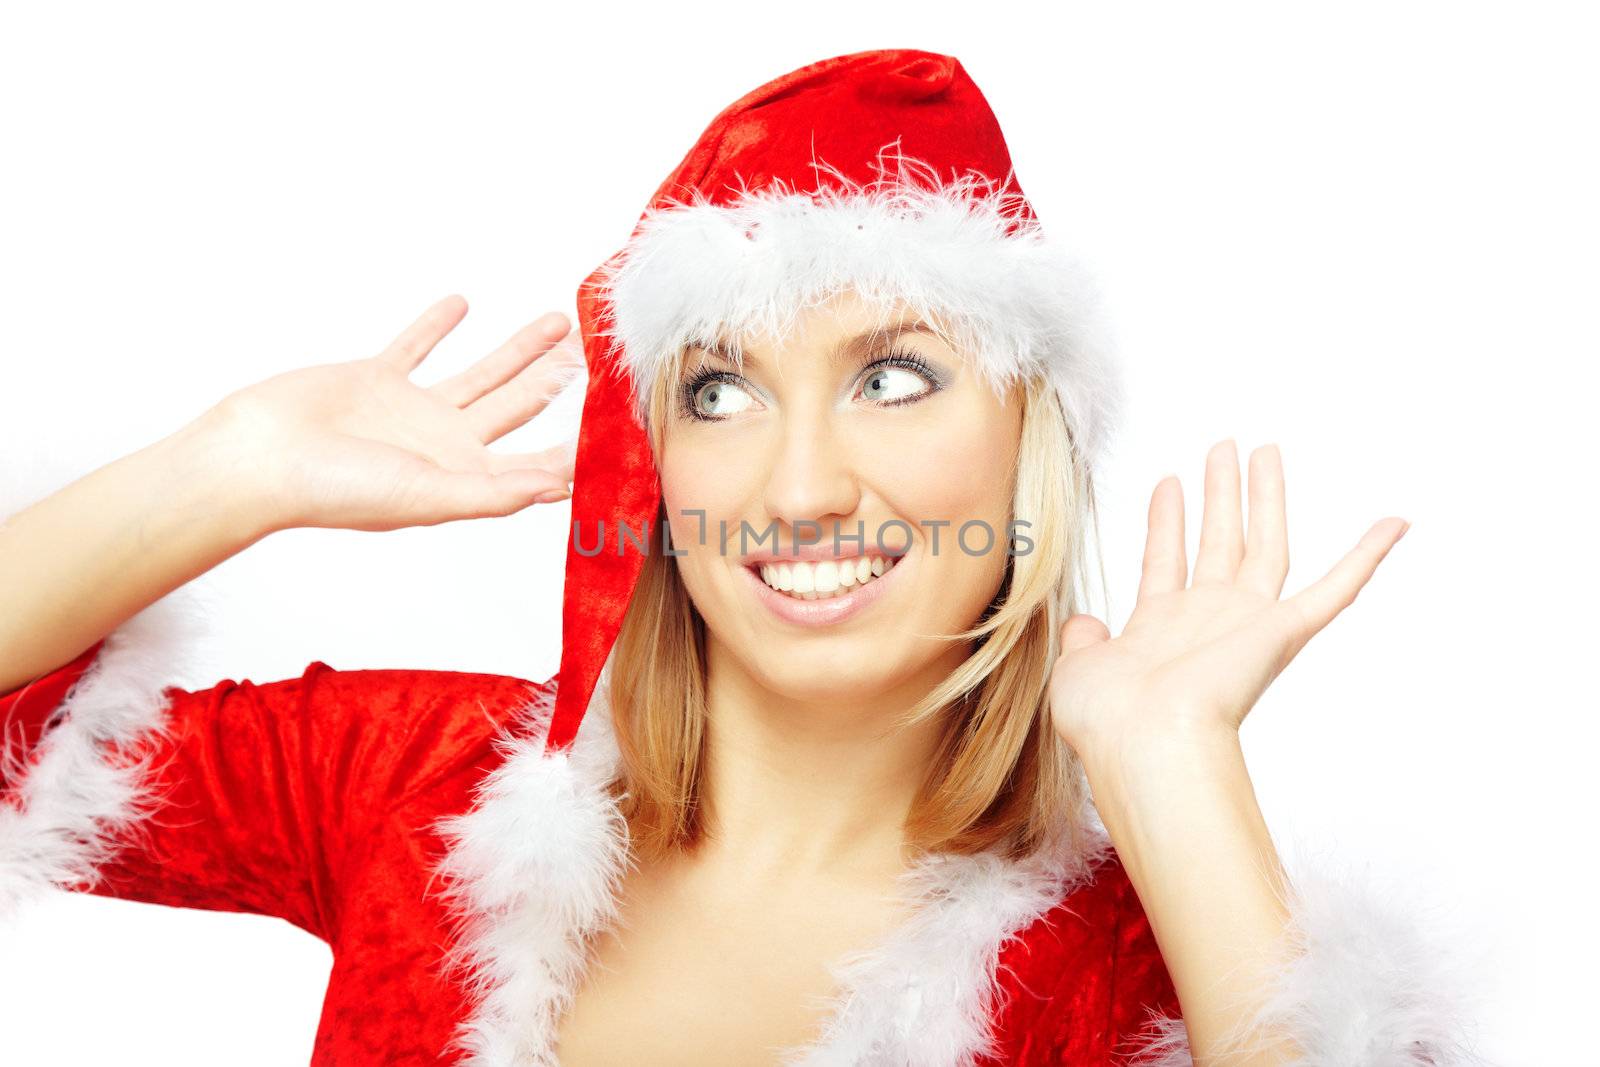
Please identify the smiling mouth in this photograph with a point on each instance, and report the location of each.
(824, 579)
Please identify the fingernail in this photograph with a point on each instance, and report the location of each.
(551, 496)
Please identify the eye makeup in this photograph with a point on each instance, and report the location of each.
(899, 356)
(895, 355)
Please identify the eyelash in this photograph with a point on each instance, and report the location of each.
(893, 357)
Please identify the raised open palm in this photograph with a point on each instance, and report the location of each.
(1200, 653)
(359, 445)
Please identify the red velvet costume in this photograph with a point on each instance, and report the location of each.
(448, 834)
(315, 799)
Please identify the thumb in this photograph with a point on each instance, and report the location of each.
(1081, 631)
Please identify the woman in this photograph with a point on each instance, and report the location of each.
(841, 717)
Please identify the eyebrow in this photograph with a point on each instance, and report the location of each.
(856, 346)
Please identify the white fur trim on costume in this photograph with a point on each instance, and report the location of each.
(957, 252)
(533, 875)
(1370, 981)
(75, 797)
(925, 996)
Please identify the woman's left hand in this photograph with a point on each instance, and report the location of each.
(1197, 656)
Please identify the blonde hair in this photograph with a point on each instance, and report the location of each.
(1001, 779)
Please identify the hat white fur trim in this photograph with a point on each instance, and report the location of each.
(959, 253)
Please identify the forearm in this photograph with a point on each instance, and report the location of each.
(1182, 814)
(78, 563)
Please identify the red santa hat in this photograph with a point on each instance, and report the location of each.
(884, 172)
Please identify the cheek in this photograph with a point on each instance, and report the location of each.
(951, 469)
(699, 491)
(954, 467)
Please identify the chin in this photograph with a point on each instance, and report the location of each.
(815, 680)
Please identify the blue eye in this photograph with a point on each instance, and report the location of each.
(893, 383)
(714, 395)
(721, 398)
(900, 378)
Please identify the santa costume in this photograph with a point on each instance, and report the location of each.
(450, 834)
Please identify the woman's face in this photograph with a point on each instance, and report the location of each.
(840, 431)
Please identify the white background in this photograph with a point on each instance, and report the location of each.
(1366, 232)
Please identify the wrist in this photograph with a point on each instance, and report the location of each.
(1153, 771)
(1158, 747)
(211, 471)
(1161, 794)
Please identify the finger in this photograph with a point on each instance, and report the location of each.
(557, 460)
(1266, 559)
(497, 413)
(418, 339)
(1166, 562)
(1316, 605)
(451, 495)
(501, 365)
(1222, 522)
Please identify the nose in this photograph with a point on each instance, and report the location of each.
(811, 477)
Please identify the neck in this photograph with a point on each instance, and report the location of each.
(801, 786)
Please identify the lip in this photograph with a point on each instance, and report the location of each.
(811, 553)
(830, 612)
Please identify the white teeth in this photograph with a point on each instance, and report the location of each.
(826, 578)
(805, 578)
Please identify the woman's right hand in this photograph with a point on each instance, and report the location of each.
(358, 445)
(354, 445)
